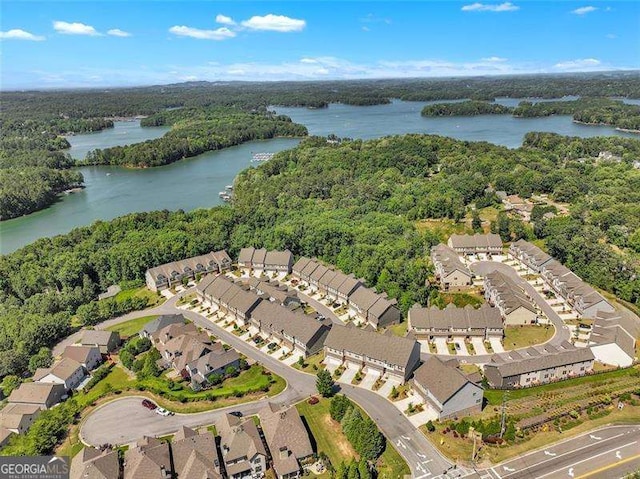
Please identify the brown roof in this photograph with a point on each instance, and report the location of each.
(91, 463)
(195, 264)
(245, 255)
(510, 295)
(275, 318)
(239, 437)
(279, 258)
(286, 437)
(80, 353)
(195, 456)
(149, 460)
(452, 317)
(33, 393)
(12, 414)
(391, 349)
(448, 260)
(477, 240)
(300, 264)
(63, 370)
(551, 357)
(439, 379)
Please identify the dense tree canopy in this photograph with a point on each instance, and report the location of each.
(466, 108)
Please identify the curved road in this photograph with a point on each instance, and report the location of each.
(124, 420)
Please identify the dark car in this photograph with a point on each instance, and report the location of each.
(272, 346)
(236, 413)
(149, 404)
(257, 339)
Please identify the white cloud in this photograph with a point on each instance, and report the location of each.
(494, 59)
(274, 23)
(493, 7)
(116, 32)
(584, 10)
(224, 20)
(308, 60)
(75, 28)
(19, 34)
(366, 28)
(221, 33)
(579, 64)
(611, 36)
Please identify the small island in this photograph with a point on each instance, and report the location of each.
(466, 108)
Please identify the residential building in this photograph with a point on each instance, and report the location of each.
(538, 365)
(467, 322)
(265, 261)
(5, 436)
(529, 254)
(106, 341)
(68, 372)
(43, 395)
(450, 271)
(374, 308)
(449, 392)
(92, 463)
(582, 297)
(476, 243)
(510, 299)
(195, 456)
(150, 458)
(179, 351)
(275, 292)
(297, 331)
(17, 418)
(243, 452)
(287, 439)
(160, 323)
(88, 356)
(520, 206)
(216, 361)
(613, 338)
(229, 297)
(172, 274)
(372, 352)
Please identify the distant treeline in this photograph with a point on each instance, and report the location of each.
(593, 111)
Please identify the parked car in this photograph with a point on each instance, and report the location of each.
(457, 346)
(163, 412)
(236, 413)
(272, 346)
(257, 340)
(149, 404)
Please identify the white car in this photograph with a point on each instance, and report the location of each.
(163, 411)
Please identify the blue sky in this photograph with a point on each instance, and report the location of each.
(121, 43)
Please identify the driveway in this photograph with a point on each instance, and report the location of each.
(463, 347)
(478, 345)
(386, 388)
(369, 379)
(441, 346)
(349, 374)
(496, 344)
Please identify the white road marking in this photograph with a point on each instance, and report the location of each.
(401, 444)
(496, 473)
(421, 456)
(571, 471)
(595, 437)
(547, 453)
(406, 438)
(508, 469)
(618, 455)
(588, 459)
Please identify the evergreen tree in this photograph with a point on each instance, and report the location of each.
(325, 383)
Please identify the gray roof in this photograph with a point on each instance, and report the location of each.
(451, 317)
(246, 254)
(511, 364)
(448, 260)
(391, 349)
(239, 437)
(91, 463)
(510, 295)
(194, 264)
(96, 336)
(477, 240)
(273, 290)
(148, 459)
(80, 353)
(216, 359)
(613, 328)
(195, 456)
(259, 256)
(34, 393)
(531, 250)
(369, 301)
(162, 321)
(300, 264)
(439, 379)
(279, 258)
(286, 436)
(12, 414)
(275, 318)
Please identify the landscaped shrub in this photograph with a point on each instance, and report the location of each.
(430, 427)
(98, 375)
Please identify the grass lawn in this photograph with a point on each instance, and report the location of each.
(516, 337)
(310, 362)
(459, 300)
(494, 396)
(330, 439)
(442, 227)
(399, 329)
(131, 327)
(153, 299)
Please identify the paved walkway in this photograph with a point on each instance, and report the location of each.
(478, 345)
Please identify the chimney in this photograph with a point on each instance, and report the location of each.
(284, 452)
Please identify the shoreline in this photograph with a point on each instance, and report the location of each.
(617, 128)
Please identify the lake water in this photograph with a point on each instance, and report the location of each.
(193, 183)
(400, 117)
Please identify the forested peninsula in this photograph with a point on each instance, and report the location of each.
(466, 108)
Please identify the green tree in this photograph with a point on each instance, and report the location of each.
(325, 384)
(9, 383)
(353, 470)
(339, 406)
(363, 469)
(476, 222)
(42, 359)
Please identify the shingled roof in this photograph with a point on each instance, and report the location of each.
(391, 349)
(442, 381)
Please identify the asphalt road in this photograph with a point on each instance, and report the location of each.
(607, 453)
(124, 420)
